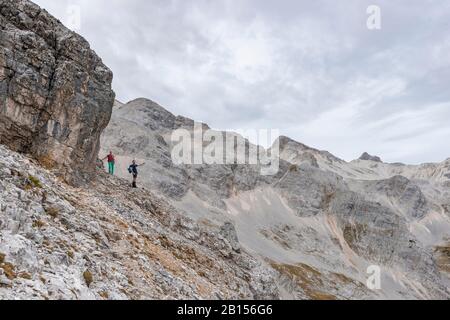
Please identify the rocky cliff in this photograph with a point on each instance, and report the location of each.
(366, 156)
(55, 92)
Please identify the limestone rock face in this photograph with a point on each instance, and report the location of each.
(55, 92)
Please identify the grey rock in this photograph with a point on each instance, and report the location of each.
(4, 281)
(408, 195)
(228, 231)
(368, 157)
(55, 92)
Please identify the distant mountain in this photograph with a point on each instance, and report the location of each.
(368, 157)
(317, 228)
(319, 216)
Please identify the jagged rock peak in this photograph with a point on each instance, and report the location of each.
(286, 141)
(368, 157)
(55, 92)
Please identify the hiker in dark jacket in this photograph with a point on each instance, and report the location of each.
(133, 170)
(111, 162)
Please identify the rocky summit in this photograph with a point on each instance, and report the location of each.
(366, 156)
(318, 228)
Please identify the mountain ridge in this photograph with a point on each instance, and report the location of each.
(285, 139)
(308, 196)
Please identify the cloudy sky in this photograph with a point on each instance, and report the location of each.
(312, 69)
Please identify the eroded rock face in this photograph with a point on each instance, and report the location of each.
(55, 92)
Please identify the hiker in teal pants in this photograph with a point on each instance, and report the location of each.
(111, 162)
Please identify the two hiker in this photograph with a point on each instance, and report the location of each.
(131, 169)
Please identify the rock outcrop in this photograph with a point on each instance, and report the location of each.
(55, 92)
(368, 157)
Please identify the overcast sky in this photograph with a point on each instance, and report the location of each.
(311, 69)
